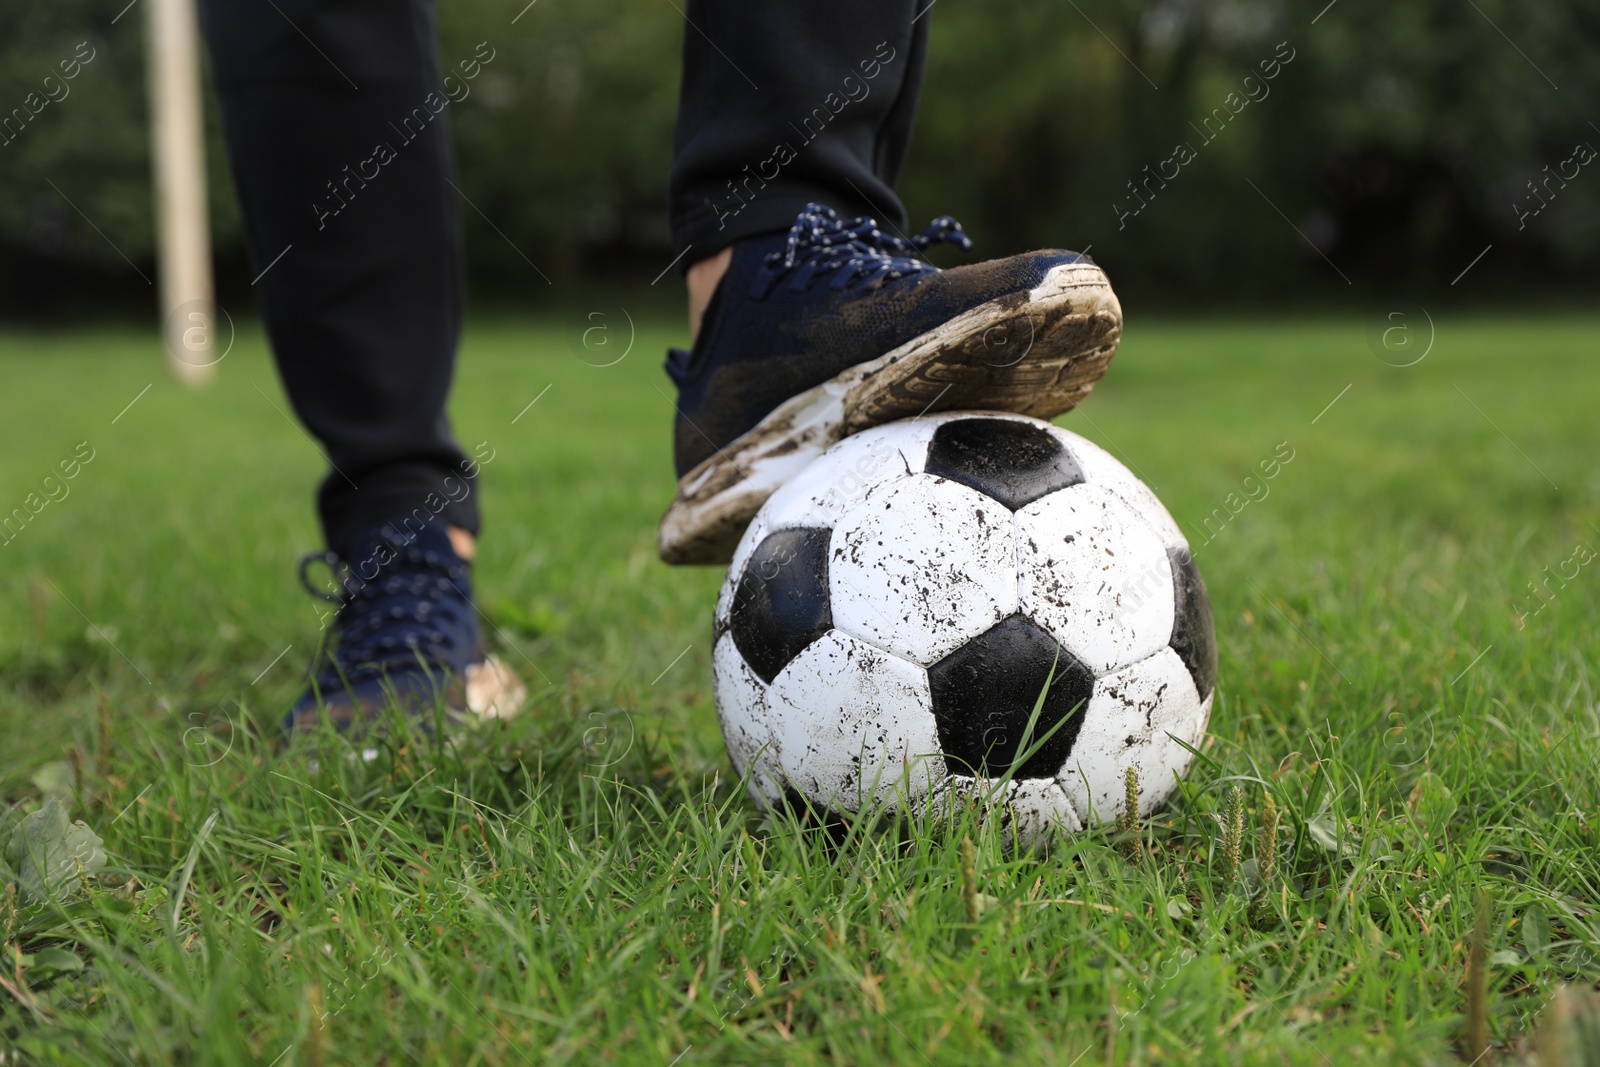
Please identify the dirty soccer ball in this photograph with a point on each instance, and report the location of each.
(893, 613)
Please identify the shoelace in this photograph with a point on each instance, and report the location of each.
(820, 242)
(398, 618)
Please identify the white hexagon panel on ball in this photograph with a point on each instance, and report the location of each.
(841, 477)
(1102, 469)
(741, 700)
(1136, 719)
(854, 724)
(921, 566)
(1096, 575)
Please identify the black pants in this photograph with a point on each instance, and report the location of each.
(338, 138)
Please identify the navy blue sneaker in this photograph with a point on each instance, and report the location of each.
(837, 326)
(407, 640)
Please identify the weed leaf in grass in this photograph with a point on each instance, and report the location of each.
(52, 960)
(1535, 930)
(1431, 803)
(1324, 831)
(54, 779)
(47, 852)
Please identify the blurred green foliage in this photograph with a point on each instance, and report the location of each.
(1400, 139)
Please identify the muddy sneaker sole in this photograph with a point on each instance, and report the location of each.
(1037, 352)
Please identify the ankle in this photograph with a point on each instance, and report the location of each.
(465, 544)
(703, 278)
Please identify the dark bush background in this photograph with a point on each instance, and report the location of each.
(1399, 141)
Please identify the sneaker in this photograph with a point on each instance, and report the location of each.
(407, 640)
(837, 326)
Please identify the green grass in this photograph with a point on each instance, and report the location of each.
(587, 884)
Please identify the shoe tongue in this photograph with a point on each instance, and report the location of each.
(402, 537)
(750, 254)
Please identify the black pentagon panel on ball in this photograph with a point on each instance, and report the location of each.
(984, 693)
(1194, 638)
(1013, 462)
(781, 603)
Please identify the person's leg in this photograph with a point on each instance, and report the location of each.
(334, 116)
(340, 150)
(809, 324)
(791, 104)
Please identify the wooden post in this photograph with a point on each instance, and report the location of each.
(177, 135)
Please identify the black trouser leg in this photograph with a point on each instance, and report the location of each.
(334, 112)
(783, 104)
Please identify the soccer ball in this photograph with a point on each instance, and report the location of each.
(894, 612)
